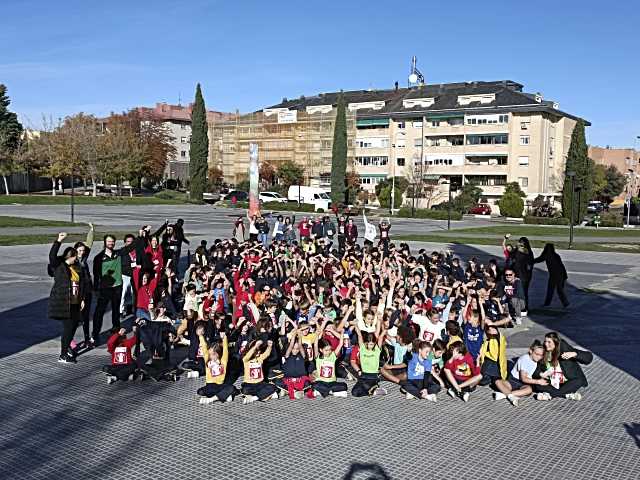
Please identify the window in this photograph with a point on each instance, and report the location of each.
(456, 141)
(400, 125)
(400, 161)
(524, 125)
(183, 153)
(523, 160)
(524, 139)
(183, 126)
(400, 143)
(417, 124)
(435, 123)
(523, 181)
(417, 142)
(183, 139)
(375, 161)
(454, 122)
(503, 119)
(499, 139)
(384, 143)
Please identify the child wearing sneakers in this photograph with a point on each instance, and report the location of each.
(296, 381)
(326, 383)
(461, 371)
(122, 366)
(370, 351)
(215, 361)
(420, 383)
(254, 386)
(520, 380)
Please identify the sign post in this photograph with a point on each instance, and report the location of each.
(254, 173)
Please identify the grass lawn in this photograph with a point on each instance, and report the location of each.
(34, 222)
(88, 200)
(535, 230)
(631, 247)
(35, 239)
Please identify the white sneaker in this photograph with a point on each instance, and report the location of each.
(380, 391)
(316, 394)
(513, 399)
(543, 396)
(408, 396)
(185, 342)
(298, 394)
(342, 394)
(465, 397)
(574, 396)
(208, 400)
(249, 399)
(193, 374)
(132, 377)
(452, 393)
(432, 397)
(518, 320)
(274, 396)
(229, 399)
(499, 396)
(111, 379)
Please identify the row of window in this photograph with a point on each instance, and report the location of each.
(374, 161)
(500, 139)
(445, 141)
(487, 119)
(370, 180)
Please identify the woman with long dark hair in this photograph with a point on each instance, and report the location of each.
(557, 274)
(522, 257)
(67, 298)
(560, 367)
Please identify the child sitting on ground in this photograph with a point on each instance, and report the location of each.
(462, 372)
(254, 386)
(420, 383)
(122, 366)
(215, 362)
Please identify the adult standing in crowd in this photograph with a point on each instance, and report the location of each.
(67, 298)
(557, 274)
(522, 257)
(107, 279)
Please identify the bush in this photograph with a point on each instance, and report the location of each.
(293, 206)
(511, 205)
(405, 212)
(531, 220)
(170, 195)
(611, 220)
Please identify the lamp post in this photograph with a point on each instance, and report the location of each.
(393, 177)
(572, 176)
(73, 198)
(449, 207)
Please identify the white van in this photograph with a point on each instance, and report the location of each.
(311, 195)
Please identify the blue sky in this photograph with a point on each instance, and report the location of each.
(61, 57)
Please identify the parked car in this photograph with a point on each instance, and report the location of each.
(315, 196)
(239, 195)
(480, 209)
(596, 206)
(272, 197)
(210, 197)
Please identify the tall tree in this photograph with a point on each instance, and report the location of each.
(289, 173)
(10, 132)
(578, 162)
(339, 154)
(199, 148)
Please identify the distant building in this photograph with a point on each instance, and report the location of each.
(177, 118)
(486, 133)
(626, 160)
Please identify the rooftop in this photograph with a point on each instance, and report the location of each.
(179, 113)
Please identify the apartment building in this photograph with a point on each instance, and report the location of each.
(486, 133)
(626, 160)
(177, 119)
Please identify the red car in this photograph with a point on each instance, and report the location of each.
(480, 209)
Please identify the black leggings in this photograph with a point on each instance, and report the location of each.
(326, 388)
(570, 386)
(262, 390)
(415, 386)
(365, 384)
(122, 372)
(69, 326)
(86, 314)
(106, 296)
(558, 286)
(222, 391)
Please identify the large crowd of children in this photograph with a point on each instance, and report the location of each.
(295, 309)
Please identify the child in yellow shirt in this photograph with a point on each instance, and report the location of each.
(215, 363)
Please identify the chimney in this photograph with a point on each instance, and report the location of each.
(396, 85)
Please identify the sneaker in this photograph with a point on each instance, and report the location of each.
(184, 341)
(379, 391)
(543, 396)
(408, 396)
(518, 320)
(132, 377)
(432, 397)
(350, 377)
(402, 390)
(207, 400)
(499, 396)
(66, 358)
(342, 394)
(574, 396)
(229, 399)
(524, 313)
(513, 399)
(298, 394)
(465, 396)
(316, 394)
(111, 379)
(452, 393)
(193, 374)
(274, 396)
(249, 399)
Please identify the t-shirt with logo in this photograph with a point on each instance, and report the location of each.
(428, 330)
(555, 375)
(326, 368)
(473, 338)
(417, 367)
(370, 359)
(119, 356)
(462, 368)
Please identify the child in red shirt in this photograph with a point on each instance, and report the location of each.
(461, 371)
(122, 366)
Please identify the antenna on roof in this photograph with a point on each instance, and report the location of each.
(415, 77)
(179, 99)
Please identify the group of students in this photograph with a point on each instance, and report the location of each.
(298, 317)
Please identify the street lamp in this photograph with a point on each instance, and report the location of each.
(73, 198)
(393, 177)
(449, 207)
(572, 176)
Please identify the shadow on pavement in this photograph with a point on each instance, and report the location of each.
(633, 429)
(366, 471)
(25, 326)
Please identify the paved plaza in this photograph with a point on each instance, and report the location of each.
(64, 421)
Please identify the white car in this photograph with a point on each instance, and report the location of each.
(272, 197)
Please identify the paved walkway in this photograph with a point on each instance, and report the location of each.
(65, 421)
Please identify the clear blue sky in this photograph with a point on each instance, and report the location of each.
(62, 57)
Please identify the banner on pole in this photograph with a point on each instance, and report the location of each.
(254, 173)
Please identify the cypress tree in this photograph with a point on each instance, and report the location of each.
(578, 161)
(339, 154)
(199, 148)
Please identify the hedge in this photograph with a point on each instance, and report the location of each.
(406, 212)
(611, 220)
(293, 206)
(531, 220)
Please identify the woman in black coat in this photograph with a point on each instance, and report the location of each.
(560, 367)
(557, 274)
(522, 257)
(67, 298)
